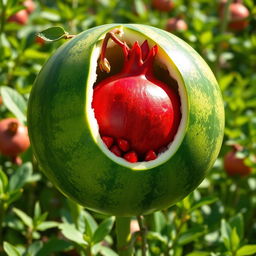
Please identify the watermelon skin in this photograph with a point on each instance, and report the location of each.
(65, 149)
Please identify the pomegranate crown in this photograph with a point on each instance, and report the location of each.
(137, 60)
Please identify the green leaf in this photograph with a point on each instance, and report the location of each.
(191, 235)
(204, 201)
(24, 217)
(157, 236)
(249, 249)
(47, 225)
(226, 234)
(11, 250)
(54, 245)
(196, 253)
(14, 102)
(103, 230)
(53, 34)
(71, 233)
(235, 240)
(91, 224)
(13, 196)
(37, 211)
(34, 248)
(20, 176)
(238, 222)
(3, 182)
(99, 249)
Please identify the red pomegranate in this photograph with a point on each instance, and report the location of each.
(13, 138)
(30, 6)
(20, 17)
(39, 40)
(163, 5)
(238, 15)
(134, 101)
(235, 166)
(176, 24)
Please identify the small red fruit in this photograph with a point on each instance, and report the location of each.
(20, 17)
(235, 166)
(238, 15)
(40, 40)
(30, 6)
(13, 138)
(163, 5)
(136, 109)
(176, 24)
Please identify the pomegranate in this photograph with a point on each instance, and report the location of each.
(20, 17)
(30, 6)
(39, 40)
(163, 5)
(238, 15)
(176, 24)
(13, 138)
(138, 112)
(235, 166)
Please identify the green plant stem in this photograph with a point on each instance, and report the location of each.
(123, 236)
(2, 17)
(143, 232)
(223, 27)
(2, 214)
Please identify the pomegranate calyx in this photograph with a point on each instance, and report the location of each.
(137, 60)
(12, 128)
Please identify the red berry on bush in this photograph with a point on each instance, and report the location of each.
(176, 24)
(40, 41)
(14, 138)
(30, 6)
(20, 17)
(235, 166)
(163, 5)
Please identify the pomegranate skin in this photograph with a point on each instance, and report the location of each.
(30, 6)
(238, 15)
(12, 143)
(163, 5)
(176, 24)
(21, 17)
(235, 166)
(126, 107)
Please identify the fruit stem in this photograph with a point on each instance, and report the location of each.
(104, 64)
(143, 232)
(123, 236)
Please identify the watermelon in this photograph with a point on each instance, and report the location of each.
(65, 136)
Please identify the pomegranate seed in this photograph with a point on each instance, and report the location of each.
(123, 144)
(108, 141)
(131, 157)
(116, 150)
(151, 155)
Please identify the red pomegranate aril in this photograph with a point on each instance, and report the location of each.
(131, 157)
(116, 150)
(123, 145)
(108, 141)
(151, 155)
